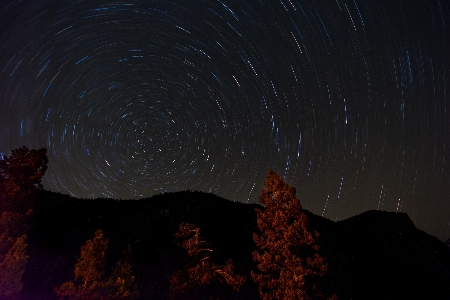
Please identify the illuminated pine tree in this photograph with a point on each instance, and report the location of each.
(12, 267)
(122, 283)
(91, 264)
(12, 226)
(20, 177)
(89, 270)
(201, 278)
(286, 254)
(13, 258)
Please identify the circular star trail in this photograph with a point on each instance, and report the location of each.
(345, 99)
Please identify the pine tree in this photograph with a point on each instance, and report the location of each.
(121, 284)
(91, 264)
(89, 271)
(12, 226)
(286, 254)
(201, 278)
(20, 177)
(12, 253)
(12, 267)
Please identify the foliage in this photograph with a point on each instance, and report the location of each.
(12, 267)
(20, 177)
(91, 264)
(89, 271)
(12, 226)
(12, 253)
(21, 174)
(286, 254)
(201, 278)
(122, 282)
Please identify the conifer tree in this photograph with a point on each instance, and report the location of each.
(89, 271)
(91, 264)
(286, 254)
(12, 267)
(201, 278)
(20, 178)
(121, 284)
(12, 226)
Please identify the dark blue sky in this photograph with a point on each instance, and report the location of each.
(344, 99)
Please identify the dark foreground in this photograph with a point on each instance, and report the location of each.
(374, 255)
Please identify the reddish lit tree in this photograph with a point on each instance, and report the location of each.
(91, 264)
(12, 267)
(12, 226)
(13, 257)
(121, 284)
(286, 251)
(201, 278)
(89, 271)
(20, 176)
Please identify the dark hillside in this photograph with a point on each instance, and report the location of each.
(375, 255)
(63, 224)
(382, 255)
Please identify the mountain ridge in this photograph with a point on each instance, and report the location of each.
(379, 254)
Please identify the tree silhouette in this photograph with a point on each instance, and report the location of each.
(201, 278)
(286, 254)
(89, 271)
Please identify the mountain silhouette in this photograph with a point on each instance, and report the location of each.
(374, 255)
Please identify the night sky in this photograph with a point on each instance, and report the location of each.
(345, 99)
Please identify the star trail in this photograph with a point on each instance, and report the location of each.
(346, 99)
